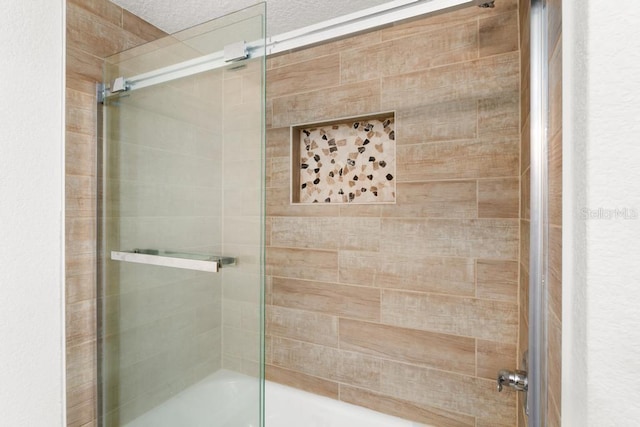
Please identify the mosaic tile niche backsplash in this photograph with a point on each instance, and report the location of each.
(353, 161)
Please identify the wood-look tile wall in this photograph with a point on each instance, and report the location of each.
(95, 29)
(409, 309)
(554, 8)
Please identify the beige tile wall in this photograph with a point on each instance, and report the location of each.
(95, 29)
(409, 309)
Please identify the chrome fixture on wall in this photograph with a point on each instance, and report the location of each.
(516, 380)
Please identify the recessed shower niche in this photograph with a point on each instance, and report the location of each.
(348, 160)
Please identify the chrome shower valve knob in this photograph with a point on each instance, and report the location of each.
(516, 380)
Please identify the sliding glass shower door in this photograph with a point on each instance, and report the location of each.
(181, 258)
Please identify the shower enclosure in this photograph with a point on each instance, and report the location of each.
(417, 305)
(181, 228)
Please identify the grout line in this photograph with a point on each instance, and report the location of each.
(478, 35)
(476, 356)
(475, 277)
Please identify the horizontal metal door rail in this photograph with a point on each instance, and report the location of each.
(185, 261)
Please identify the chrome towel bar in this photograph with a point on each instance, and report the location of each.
(199, 262)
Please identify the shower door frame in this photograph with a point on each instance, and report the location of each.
(539, 211)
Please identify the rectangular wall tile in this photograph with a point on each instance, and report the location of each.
(483, 78)
(80, 264)
(555, 180)
(356, 302)
(340, 45)
(83, 70)
(359, 233)
(403, 408)
(80, 154)
(525, 144)
(555, 271)
(278, 204)
(493, 356)
(346, 101)
(81, 364)
(359, 370)
(555, 86)
(399, 56)
(278, 143)
(446, 121)
(81, 120)
(411, 272)
(448, 391)
(80, 322)
(436, 199)
(278, 172)
(499, 198)
(499, 34)
(303, 264)
(302, 325)
(478, 158)
(525, 228)
(93, 34)
(499, 115)
(80, 288)
(139, 27)
(555, 368)
(80, 236)
(524, 299)
(294, 78)
(497, 280)
(440, 351)
(525, 194)
(487, 238)
(326, 233)
(81, 406)
(442, 22)
(105, 10)
(294, 232)
(327, 363)
(302, 381)
(469, 317)
(360, 210)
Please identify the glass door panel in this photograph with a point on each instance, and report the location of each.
(181, 258)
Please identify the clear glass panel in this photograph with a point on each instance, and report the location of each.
(182, 180)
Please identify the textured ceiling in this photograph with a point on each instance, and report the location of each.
(282, 15)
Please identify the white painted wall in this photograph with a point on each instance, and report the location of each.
(31, 203)
(601, 343)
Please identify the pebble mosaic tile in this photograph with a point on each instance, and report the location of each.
(351, 162)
